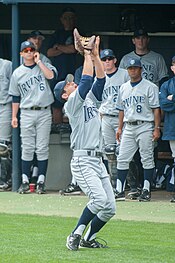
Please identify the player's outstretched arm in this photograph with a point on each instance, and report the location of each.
(99, 69)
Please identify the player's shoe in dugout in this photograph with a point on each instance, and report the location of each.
(24, 188)
(40, 189)
(133, 194)
(93, 244)
(145, 196)
(72, 189)
(119, 196)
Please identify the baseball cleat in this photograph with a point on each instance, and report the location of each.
(40, 189)
(72, 189)
(145, 196)
(119, 196)
(24, 188)
(93, 244)
(172, 200)
(73, 242)
(134, 194)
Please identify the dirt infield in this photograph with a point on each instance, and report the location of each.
(159, 209)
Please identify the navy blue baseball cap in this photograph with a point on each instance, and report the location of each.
(59, 87)
(27, 44)
(134, 63)
(140, 32)
(173, 59)
(36, 33)
(107, 53)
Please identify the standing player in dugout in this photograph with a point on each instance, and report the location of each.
(30, 90)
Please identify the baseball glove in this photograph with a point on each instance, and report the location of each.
(4, 150)
(82, 43)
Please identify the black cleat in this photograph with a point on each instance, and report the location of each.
(172, 200)
(93, 244)
(40, 189)
(24, 188)
(73, 242)
(134, 194)
(145, 196)
(72, 189)
(119, 196)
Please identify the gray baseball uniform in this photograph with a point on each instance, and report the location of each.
(154, 67)
(34, 91)
(86, 142)
(5, 100)
(137, 103)
(109, 114)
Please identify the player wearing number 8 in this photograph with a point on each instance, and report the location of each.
(138, 104)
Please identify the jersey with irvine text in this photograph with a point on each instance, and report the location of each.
(139, 101)
(110, 92)
(153, 65)
(32, 86)
(85, 121)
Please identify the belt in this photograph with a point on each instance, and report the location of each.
(91, 153)
(3, 104)
(36, 108)
(135, 122)
(110, 115)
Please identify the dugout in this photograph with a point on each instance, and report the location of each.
(103, 17)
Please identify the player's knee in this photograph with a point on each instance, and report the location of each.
(100, 202)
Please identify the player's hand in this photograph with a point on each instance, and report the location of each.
(118, 134)
(95, 50)
(14, 122)
(156, 134)
(36, 57)
(170, 97)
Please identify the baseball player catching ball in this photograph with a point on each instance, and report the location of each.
(86, 142)
(138, 104)
(5, 118)
(31, 93)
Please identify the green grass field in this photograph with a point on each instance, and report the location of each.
(34, 229)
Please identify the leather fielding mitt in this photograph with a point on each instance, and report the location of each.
(4, 150)
(82, 43)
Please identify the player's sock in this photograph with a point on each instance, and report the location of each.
(25, 178)
(94, 228)
(41, 179)
(148, 176)
(84, 220)
(26, 166)
(121, 179)
(42, 167)
(35, 171)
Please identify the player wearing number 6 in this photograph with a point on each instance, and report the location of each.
(138, 104)
(30, 91)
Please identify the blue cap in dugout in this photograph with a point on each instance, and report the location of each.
(59, 87)
(107, 53)
(27, 44)
(134, 63)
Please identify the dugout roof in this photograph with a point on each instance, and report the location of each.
(90, 1)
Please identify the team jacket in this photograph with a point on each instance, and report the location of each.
(168, 106)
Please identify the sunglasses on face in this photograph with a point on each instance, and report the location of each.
(26, 50)
(107, 58)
